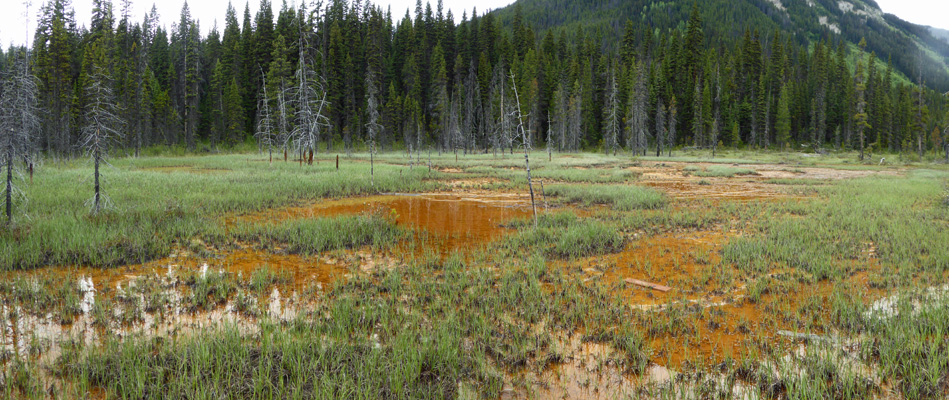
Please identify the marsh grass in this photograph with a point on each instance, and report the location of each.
(618, 197)
(823, 373)
(844, 223)
(912, 346)
(589, 175)
(720, 171)
(702, 216)
(415, 332)
(796, 181)
(177, 205)
(564, 235)
(266, 277)
(448, 326)
(42, 295)
(312, 236)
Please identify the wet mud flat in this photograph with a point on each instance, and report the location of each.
(702, 315)
(737, 182)
(443, 223)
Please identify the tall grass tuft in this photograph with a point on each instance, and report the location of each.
(619, 197)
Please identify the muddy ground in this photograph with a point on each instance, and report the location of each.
(682, 267)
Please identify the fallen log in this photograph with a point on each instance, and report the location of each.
(654, 286)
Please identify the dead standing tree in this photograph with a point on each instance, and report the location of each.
(102, 128)
(611, 115)
(18, 121)
(265, 124)
(527, 144)
(310, 105)
(372, 127)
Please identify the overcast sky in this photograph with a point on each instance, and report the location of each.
(924, 12)
(13, 28)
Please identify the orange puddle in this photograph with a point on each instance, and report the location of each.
(678, 261)
(739, 188)
(453, 221)
(706, 317)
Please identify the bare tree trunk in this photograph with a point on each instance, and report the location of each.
(96, 157)
(10, 184)
(527, 162)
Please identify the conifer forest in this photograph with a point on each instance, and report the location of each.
(323, 73)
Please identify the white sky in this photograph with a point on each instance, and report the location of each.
(923, 12)
(13, 28)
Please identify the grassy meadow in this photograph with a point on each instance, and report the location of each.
(789, 276)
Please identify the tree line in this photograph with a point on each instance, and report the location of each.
(346, 74)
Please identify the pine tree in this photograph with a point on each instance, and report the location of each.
(233, 115)
(638, 120)
(673, 121)
(575, 117)
(783, 125)
(945, 136)
(54, 46)
(440, 106)
(661, 131)
(921, 112)
(717, 114)
(188, 67)
(698, 131)
(860, 118)
(561, 116)
(218, 124)
(277, 85)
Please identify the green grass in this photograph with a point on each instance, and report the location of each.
(421, 332)
(913, 348)
(897, 216)
(564, 235)
(618, 197)
(44, 294)
(589, 175)
(796, 181)
(468, 325)
(155, 210)
(312, 236)
(719, 171)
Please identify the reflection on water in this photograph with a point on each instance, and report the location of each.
(453, 221)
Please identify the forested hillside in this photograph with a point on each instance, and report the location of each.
(914, 49)
(348, 74)
(940, 33)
